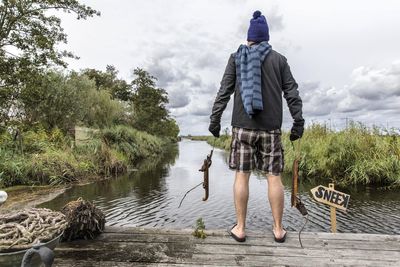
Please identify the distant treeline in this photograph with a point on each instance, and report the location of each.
(355, 155)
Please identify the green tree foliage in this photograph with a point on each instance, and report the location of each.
(101, 110)
(29, 38)
(61, 100)
(54, 100)
(108, 80)
(149, 106)
(170, 128)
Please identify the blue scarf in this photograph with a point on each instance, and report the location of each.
(248, 71)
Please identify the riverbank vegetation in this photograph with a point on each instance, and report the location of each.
(53, 157)
(355, 155)
(41, 103)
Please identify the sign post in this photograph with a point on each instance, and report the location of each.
(333, 212)
(335, 199)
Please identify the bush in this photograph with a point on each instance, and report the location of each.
(131, 142)
(13, 169)
(48, 157)
(45, 158)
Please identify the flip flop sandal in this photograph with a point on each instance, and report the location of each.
(282, 239)
(238, 239)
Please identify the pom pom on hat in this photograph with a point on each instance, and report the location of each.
(256, 14)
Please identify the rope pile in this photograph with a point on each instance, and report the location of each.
(21, 229)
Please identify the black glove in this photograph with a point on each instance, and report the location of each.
(297, 131)
(214, 128)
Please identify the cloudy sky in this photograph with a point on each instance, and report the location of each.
(345, 55)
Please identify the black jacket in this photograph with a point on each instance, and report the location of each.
(276, 79)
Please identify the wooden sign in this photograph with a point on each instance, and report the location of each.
(331, 197)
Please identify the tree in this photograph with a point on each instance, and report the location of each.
(64, 100)
(101, 109)
(55, 99)
(29, 36)
(169, 128)
(149, 106)
(108, 80)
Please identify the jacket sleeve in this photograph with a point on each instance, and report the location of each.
(291, 94)
(225, 91)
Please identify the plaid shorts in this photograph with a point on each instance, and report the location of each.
(256, 149)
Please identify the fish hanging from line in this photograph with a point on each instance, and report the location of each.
(205, 169)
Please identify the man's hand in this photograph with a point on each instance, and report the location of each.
(214, 128)
(297, 131)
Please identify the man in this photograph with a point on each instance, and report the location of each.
(258, 76)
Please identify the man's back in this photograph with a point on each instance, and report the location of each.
(275, 79)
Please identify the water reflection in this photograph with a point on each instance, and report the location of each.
(150, 197)
(147, 178)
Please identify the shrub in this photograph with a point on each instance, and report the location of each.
(131, 142)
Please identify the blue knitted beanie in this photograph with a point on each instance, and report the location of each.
(258, 30)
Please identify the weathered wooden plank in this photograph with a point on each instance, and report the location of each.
(180, 250)
(160, 247)
(255, 234)
(292, 241)
(239, 260)
(158, 252)
(79, 263)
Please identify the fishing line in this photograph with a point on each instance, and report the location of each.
(188, 192)
(301, 230)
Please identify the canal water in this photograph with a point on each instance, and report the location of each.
(150, 196)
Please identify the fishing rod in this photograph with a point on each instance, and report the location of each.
(205, 169)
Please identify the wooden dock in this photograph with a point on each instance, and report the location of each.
(160, 247)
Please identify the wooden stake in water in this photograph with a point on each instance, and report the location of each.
(333, 212)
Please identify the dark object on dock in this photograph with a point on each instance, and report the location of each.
(32, 257)
(46, 255)
(85, 221)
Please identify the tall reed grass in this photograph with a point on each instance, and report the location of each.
(355, 155)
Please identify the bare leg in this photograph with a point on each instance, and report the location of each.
(276, 200)
(241, 197)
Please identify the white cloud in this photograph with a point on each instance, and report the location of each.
(376, 84)
(372, 97)
(186, 45)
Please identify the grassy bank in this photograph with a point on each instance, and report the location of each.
(43, 157)
(356, 155)
(223, 142)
